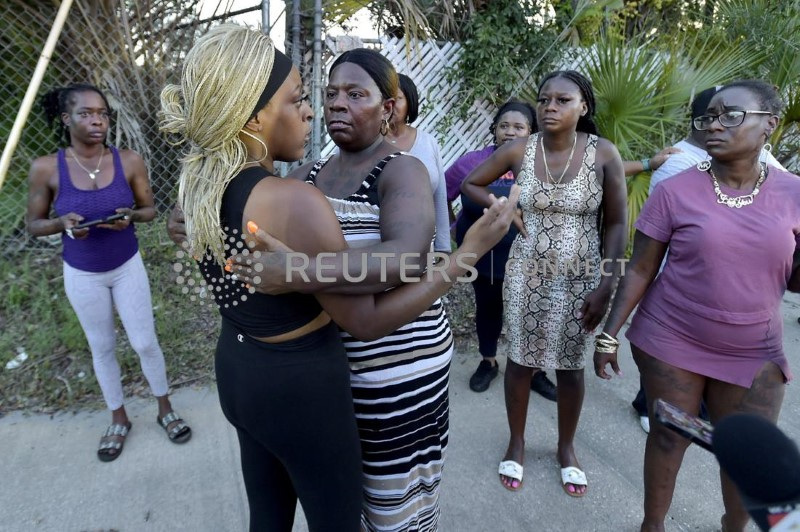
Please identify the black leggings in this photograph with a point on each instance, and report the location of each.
(293, 411)
(488, 313)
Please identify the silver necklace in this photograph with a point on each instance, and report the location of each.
(92, 175)
(737, 202)
(566, 167)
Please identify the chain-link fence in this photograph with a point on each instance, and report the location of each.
(130, 50)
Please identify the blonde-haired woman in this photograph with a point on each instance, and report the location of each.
(282, 373)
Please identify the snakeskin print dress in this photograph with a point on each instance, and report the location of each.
(550, 273)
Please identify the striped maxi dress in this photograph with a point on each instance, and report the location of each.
(400, 386)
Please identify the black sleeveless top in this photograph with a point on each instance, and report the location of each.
(254, 314)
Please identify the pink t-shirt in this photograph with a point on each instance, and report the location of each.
(728, 265)
(715, 309)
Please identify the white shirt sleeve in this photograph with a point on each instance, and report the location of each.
(674, 165)
(426, 149)
(770, 160)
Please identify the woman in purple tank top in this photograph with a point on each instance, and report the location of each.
(97, 192)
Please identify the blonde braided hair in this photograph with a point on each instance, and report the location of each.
(223, 76)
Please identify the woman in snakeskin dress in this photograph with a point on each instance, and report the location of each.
(563, 265)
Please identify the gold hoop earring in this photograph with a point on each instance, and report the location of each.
(263, 144)
(384, 126)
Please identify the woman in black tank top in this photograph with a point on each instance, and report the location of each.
(285, 388)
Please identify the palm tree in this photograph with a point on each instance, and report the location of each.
(643, 89)
(773, 27)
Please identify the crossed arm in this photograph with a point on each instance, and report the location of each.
(302, 217)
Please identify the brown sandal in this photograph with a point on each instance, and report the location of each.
(180, 432)
(110, 449)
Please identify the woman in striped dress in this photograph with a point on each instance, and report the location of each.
(399, 386)
(400, 382)
(383, 201)
(283, 465)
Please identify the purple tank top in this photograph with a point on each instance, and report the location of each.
(104, 249)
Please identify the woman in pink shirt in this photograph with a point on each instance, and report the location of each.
(710, 325)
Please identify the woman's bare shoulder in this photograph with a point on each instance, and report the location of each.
(45, 161)
(43, 167)
(287, 193)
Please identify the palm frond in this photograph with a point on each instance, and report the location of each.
(704, 60)
(635, 105)
(773, 28)
(340, 11)
(638, 187)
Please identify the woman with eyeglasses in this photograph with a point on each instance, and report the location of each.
(709, 326)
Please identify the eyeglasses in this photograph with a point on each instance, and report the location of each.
(728, 119)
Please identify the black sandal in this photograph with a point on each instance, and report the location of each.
(109, 449)
(180, 432)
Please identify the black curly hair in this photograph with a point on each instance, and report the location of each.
(60, 100)
(520, 106)
(586, 122)
(767, 94)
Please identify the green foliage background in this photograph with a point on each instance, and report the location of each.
(646, 59)
(37, 318)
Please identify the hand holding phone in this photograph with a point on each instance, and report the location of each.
(109, 219)
(690, 427)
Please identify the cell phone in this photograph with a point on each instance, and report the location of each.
(690, 427)
(113, 217)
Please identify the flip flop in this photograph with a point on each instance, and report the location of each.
(109, 449)
(574, 476)
(512, 470)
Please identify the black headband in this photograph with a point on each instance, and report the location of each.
(520, 108)
(281, 66)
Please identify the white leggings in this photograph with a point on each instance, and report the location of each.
(93, 296)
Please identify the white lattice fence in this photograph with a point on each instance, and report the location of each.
(426, 62)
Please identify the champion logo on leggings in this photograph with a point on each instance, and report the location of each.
(240, 337)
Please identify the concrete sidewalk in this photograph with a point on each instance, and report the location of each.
(51, 479)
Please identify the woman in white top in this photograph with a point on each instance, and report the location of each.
(424, 147)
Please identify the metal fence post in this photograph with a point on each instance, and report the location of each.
(316, 84)
(33, 87)
(265, 17)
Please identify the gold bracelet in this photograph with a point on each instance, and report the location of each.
(608, 337)
(605, 349)
(603, 341)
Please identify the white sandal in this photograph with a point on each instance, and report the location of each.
(512, 470)
(574, 476)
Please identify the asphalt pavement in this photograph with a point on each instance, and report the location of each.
(51, 480)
